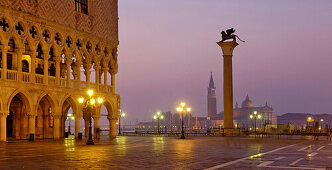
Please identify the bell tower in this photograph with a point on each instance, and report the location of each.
(212, 99)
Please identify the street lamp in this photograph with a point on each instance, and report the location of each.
(89, 103)
(255, 116)
(182, 111)
(158, 117)
(122, 115)
(70, 117)
(321, 120)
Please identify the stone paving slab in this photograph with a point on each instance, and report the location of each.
(126, 152)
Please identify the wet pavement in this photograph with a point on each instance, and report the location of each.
(132, 152)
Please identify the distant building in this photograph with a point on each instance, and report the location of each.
(242, 114)
(300, 119)
(215, 120)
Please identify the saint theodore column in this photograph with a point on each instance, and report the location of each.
(227, 50)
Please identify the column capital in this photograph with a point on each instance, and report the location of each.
(77, 115)
(46, 57)
(96, 116)
(227, 47)
(4, 47)
(97, 67)
(45, 50)
(4, 113)
(56, 114)
(87, 66)
(19, 51)
(30, 114)
(105, 69)
(112, 118)
(68, 62)
(33, 54)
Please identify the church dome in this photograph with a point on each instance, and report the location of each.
(247, 103)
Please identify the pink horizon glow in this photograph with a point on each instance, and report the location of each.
(168, 49)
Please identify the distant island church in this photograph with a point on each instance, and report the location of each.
(241, 114)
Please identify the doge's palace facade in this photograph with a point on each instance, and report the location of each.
(52, 52)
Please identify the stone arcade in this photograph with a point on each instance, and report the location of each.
(45, 46)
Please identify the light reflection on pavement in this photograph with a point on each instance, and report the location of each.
(167, 153)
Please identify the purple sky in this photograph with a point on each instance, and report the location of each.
(168, 49)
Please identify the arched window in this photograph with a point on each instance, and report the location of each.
(25, 66)
(39, 69)
(51, 53)
(39, 51)
(11, 44)
(26, 48)
(51, 70)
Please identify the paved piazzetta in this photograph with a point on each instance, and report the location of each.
(155, 152)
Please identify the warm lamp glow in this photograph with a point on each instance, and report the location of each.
(69, 114)
(92, 101)
(123, 115)
(72, 118)
(183, 104)
(81, 100)
(259, 116)
(158, 113)
(90, 92)
(179, 109)
(162, 117)
(322, 120)
(154, 117)
(309, 119)
(255, 112)
(188, 109)
(251, 116)
(100, 100)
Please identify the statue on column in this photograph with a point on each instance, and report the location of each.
(229, 35)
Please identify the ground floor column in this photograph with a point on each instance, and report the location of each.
(32, 125)
(57, 127)
(112, 127)
(77, 125)
(96, 126)
(3, 127)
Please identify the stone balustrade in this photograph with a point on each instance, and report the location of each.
(12, 76)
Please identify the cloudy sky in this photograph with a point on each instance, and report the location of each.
(168, 49)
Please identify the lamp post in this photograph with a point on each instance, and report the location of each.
(182, 111)
(122, 115)
(90, 104)
(255, 116)
(321, 120)
(157, 117)
(70, 117)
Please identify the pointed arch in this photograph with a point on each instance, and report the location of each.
(24, 96)
(50, 98)
(71, 100)
(110, 105)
